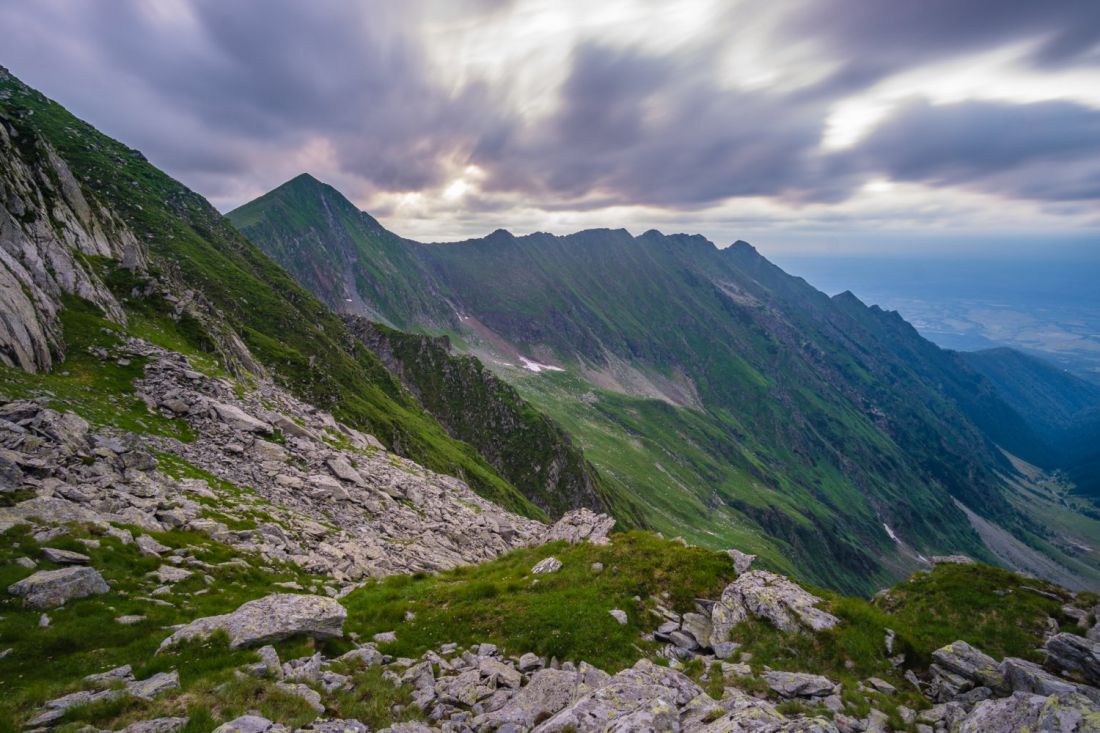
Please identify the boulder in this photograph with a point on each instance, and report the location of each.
(619, 615)
(246, 724)
(1022, 711)
(156, 725)
(1077, 654)
(1024, 676)
(741, 561)
(49, 588)
(961, 659)
(238, 419)
(768, 596)
(581, 525)
(269, 619)
(642, 697)
(549, 565)
(65, 557)
(797, 684)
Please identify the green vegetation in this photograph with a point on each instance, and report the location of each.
(475, 406)
(99, 389)
(563, 614)
(732, 403)
(83, 637)
(289, 331)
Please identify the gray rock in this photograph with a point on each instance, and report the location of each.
(581, 525)
(769, 596)
(129, 619)
(385, 637)
(698, 627)
(529, 662)
(148, 546)
(726, 649)
(643, 697)
(1075, 654)
(125, 673)
(1024, 676)
(268, 619)
(741, 561)
(157, 725)
(311, 696)
(549, 691)
(334, 726)
(798, 684)
(65, 557)
(964, 660)
(951, 560)
(1022, 711)
(245, 724)
(50, 588)
(170, 574)
(157, 684)
(619, 615)
(238, 419)
(549, 565)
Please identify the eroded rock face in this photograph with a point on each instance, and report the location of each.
(765, 595)
(47, 229)
(50, 588)
(268, 619)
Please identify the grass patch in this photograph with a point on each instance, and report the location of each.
(563, 614)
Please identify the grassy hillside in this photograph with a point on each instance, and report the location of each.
(300, 341)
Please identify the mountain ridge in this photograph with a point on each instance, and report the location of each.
(780, 370)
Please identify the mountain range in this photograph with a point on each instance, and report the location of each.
(734, 403)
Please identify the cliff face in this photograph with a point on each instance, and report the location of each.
(528, 448)
(50, 236)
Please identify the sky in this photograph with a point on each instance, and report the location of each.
(816, 126)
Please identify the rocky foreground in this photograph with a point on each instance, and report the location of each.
(302, 490)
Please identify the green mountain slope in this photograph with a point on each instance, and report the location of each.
(1062, 409)
(246, 298)
(477, 407)
(739, 404)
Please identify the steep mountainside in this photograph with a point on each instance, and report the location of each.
(477, 407)
(1061, 408)
(739, 404)
(85, 217)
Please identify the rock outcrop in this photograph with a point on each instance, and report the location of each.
(50, 588)
(269, 619)
(771, 597)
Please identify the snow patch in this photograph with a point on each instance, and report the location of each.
(534, 366)
(890, 532)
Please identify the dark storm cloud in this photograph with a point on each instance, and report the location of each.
(228, 93)
(646, 129)
(1047, 150)
(275, 74)
(873, 38)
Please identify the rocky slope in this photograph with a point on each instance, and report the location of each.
(738, 404)
(477, 407)
(88, 219)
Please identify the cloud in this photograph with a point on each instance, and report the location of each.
(1048, 151)
(547, 113)
(875, 38)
